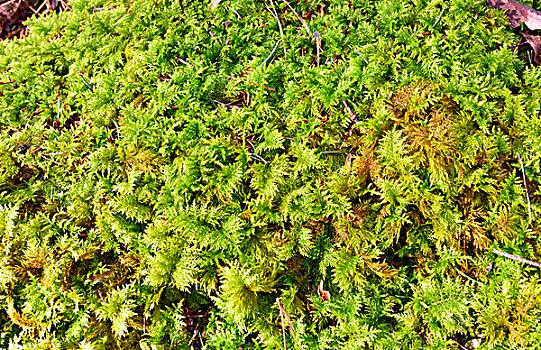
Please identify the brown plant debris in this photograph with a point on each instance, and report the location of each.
(13, 14)
(517, 12)
(535, 43)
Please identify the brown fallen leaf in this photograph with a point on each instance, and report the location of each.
(535, 43)
(517, 12)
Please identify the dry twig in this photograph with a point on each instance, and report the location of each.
(516, 258)
(283, 325)
(274, 13)
(299, 17)
(526, 188)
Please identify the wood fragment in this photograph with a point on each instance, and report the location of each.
(517, 12)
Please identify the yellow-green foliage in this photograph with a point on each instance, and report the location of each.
(169, 170)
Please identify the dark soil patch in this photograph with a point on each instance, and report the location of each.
(13, 14)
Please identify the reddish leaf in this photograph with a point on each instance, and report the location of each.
(517, 12)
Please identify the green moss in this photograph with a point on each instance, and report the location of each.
(164, 179)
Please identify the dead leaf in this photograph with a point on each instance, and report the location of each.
(517, 12)
(473, 343)
(324, 294)
(535, 43)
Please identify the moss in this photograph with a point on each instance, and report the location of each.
(167, 173)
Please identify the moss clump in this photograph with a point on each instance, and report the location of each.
(168, 171)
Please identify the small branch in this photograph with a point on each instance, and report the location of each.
(333, 152)
(235, 12)
(256, 157)
(183, 61)
(271, 54)
(438, 20)
(287, 317)
(65, 6)
(300, 18)
(283, 325)
(525, 187)
(467, 277)
(41, 6)
(359, 52)
(7, 82)
(55, 162)
(350, 112)
(8, 3)
(85, 82)
(96, 9)
(54, 154)
(34, 151)
(58, 109)
(273, 11)
(516, 258)
(224, 104)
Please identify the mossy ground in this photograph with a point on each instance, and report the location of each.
(169, 171)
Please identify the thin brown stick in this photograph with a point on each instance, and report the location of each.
(96, 9)
(235, 12)
(516, 258)
(299, 17)
(41, 6)
(283, 325)
(183, 61)
(52, 160)
(7, 3)
(525, 187)
(32, 9)
(224, 104)
(274, 13)
(34, 151)
(7, 82)
(350, 112)
(64, 5)
(287, 317)
(54, 154)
